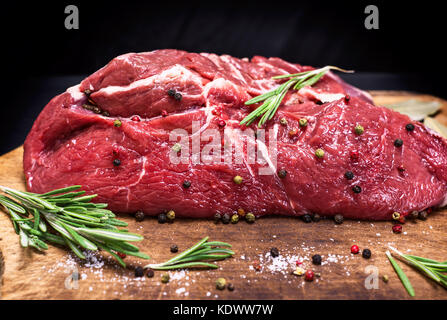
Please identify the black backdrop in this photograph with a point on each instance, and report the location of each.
(41, 58)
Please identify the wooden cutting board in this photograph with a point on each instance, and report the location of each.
(28, 274)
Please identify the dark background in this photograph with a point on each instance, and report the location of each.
(41, 58)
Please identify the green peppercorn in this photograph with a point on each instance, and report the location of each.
(385, 278)
(117, 123)
(282, 173)
(234, 218)
(319, 153)
(162, 218)
(283, 121)
(220, 283)
(237, 179)
(359, 129)
(338, 219)
(139, 216)
(165, 278)
(177, 147)
(250, 217)
(303, 122)
(170, 215)
(226, 218)
(396, 215)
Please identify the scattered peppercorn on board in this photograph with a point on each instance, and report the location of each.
(252, 273)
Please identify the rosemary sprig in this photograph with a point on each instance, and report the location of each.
(272, 99)
(433, 269)
(402, 276)
(75, 222)
(196, 256)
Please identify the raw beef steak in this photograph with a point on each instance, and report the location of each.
(114, 134)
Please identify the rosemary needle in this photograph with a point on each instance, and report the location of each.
(75, 222)
(272, 99)
(402, 276)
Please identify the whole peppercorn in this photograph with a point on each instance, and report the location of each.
(409, 127)
(241, 212)
(293, 133)
(170, 215)
(220, 283)
(402, 219)
(257, 266)
(414, 214)
(397, 228)
(235, 218)
(150, 273)
(354, 155)
(347, 97)
(135, 118)
(230, 287)
(162, 218)
(171, 92)
(121, 255)
(87, 92)
(396, 215)
(250, 217)
(217, 217)
(303, 122)
(116, 162)
(282, 173)
(96, 110)
(139, 272)
(237, 179)
(385, 278)
(423, 215)
(283, 121)
(105, 113)
(164, 113)
(221, 123)
(355, 249)
(316, 217)
(165, 278)
(366, 253)
(117, 123)
(178, 96)
(274, 252)
(359, 129)
(174, 248)
(186, 184)
(349, 175)
(398, 143)
(226, 218)
(177, 147)
(309, 275)
(139, 216)
(356, 189)
(316, 259)
(319, 153)
(306, 218)
(338, 219)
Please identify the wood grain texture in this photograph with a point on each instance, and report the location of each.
(32, 275)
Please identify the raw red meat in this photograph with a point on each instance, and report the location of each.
(69, 144)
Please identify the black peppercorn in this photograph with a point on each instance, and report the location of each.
(116, 162)
(230, 287)
(186, 184)
(316, 217)
(226, 218)
(423, 215)
(178, 96)
(217, 217)
(366, 253)
(338, 219)
(356, 189)
(171, 92)
(174, 248)
(409, 127)
(162, 218)
(139, 272)
(316, 259)
(398, 143)
(274, 252)
(150, 273)
(307, 218)
(349, 175)
(139, 216)
(282, 173)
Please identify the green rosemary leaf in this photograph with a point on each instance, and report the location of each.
(23, 239)
(402, 276)
(9, 203)
(68, 195)
(62, 190)
(185, 265)
(74, 248)
(110, 235)
(36, 219)
(83, 242)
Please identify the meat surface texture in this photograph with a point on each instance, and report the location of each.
(71, 144)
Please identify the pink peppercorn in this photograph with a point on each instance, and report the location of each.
(397, 228)
(121, 255)
(309, 275)
(221, 123)
(135, 118)
(164, 113)
(355, 249)
(354, 155)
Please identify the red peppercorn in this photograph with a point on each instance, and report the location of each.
(429, 210)
(347, 97)
(121, 255)
(257, 266)
(221, 123)
(397, 228)
(135, 118)
(309, 275)
(354, 155)
(401, 168)
(298, 262)
(355, 249)
(164, 113)
(402, 219)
